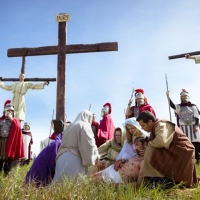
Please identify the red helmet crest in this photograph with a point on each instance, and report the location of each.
(7, 102)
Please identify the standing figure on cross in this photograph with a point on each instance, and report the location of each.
(19, 89)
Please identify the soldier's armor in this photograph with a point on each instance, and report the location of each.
(186, 115)
(5, 127)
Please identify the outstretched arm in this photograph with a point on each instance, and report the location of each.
(39, 86)
(197, 59)
(172, 105)
(128, 108)
(5, 87)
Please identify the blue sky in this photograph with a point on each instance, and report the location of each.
(147, 33)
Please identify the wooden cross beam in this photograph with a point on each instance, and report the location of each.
(61, 50)
(29, 79)
(69, 49)
(183, 55)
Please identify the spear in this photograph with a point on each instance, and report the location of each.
(132, 93)
(168, 98)
(51, 126)
(89, 107)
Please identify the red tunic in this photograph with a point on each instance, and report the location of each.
(141, 109)
(15, 144)
(106, 130)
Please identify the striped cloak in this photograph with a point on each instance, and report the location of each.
(176, 162)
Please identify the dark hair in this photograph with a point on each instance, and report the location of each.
(118, 129)
(141, 139)
(145, 116)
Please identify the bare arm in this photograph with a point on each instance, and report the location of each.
(140, 176)
(128, 107)
(172, 105)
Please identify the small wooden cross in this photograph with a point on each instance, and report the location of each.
(61, 50)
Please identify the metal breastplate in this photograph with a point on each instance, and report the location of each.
(5, 127)
(135, 111)
(186, 115)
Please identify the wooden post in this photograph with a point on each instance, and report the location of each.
(60, 101)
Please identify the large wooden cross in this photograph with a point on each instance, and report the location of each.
(62, 49)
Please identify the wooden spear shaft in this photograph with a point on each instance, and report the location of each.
(168, 98)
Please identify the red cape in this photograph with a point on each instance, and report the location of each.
(106, 130)
(141, 109)
(53, 136)
(15, 143)
(148, 108)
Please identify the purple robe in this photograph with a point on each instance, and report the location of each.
(43, 169)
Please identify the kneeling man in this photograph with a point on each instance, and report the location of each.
(169, 152)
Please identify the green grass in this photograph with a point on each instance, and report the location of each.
(12, 187)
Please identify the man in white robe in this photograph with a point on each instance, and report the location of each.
(19, 89)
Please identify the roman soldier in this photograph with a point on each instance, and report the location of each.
(141, 104)
(106, 127)
(187, 115)
(11, 140)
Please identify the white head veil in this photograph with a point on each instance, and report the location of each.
(128, 149)
(132, 121)
(84, 116)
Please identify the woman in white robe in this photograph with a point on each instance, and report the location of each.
(128, 152)
(77, 150)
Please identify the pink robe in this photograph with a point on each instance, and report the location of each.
(106, 130)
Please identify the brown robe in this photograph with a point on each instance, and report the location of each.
(176, 161)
